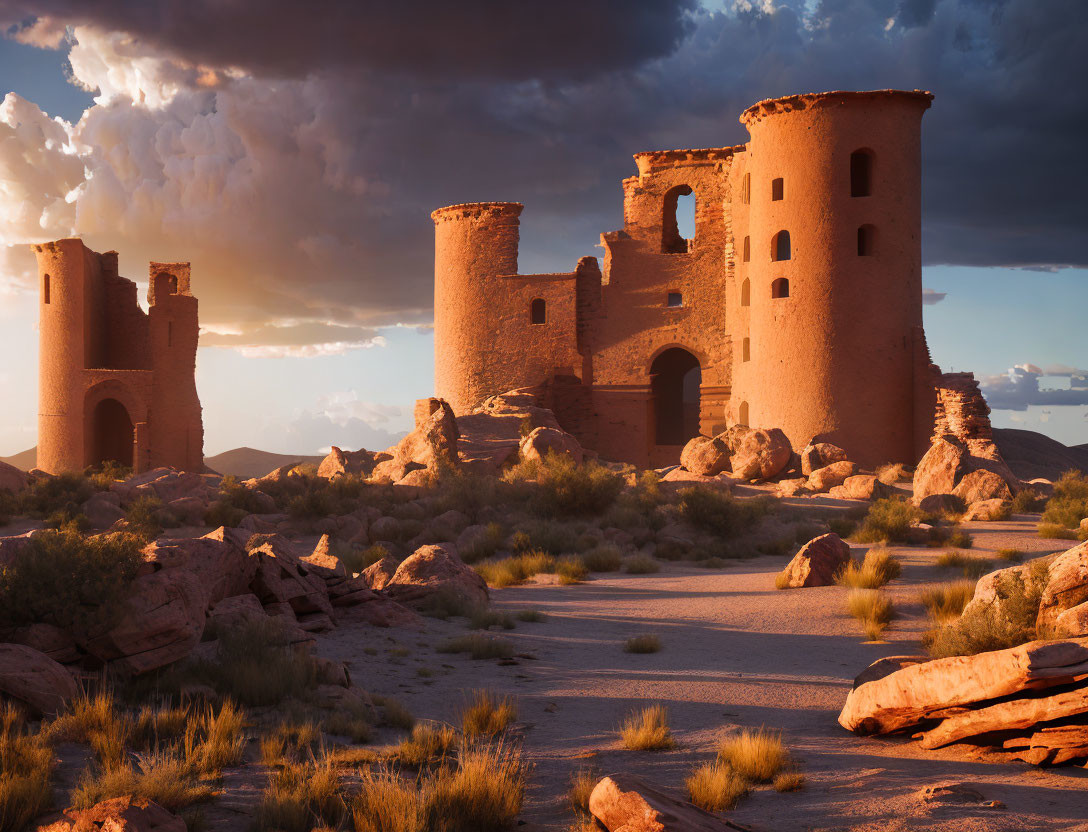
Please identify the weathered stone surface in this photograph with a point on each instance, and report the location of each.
(189, 511)
(103, 509)
(1072, 622)
(57, 644)
(323, 561)
(380, 573)
(885, 667)
(994, 509)
(757, 453)
(705, 455)
(432, 571)
(1014, 715)
(281, 576)
(823, 479)
(1066, 585)
(625, 803)
(816, 455)
(980, 485)
(942, 466)
(542, 441)
(793, 487)
(34, 680)
(233, 612)
(218, 559)
(339, 462)
(120, 814)
(908, 696)
(12, 479)
(941, 504)
(817, 562)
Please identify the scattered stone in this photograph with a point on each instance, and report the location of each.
(625, 803)
(817, 562)
(823, 479)
(757, 453)
(816, 455)
(705, 456)
(119, 814)
(34, 680)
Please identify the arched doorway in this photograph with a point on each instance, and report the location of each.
(111, 435)
(675, 377)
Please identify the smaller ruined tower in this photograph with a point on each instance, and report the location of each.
(115, 383)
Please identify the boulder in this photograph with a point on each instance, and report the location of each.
(980, 485)
(282, 577)
(757, 453)
(432, 444)
(885, 667)
(340, 463)
(218, 559)
(34, 680)
(543, 440)
(119, 814)
(1072, 622)
(189, 511)
(625, 803)
(57, 644)
(817, 562)
(323, 561)
(916, 693)
(865, 487)
(103, 509)
(380, 573)
(996, 509)
(433, 571)
(941, 504)
(949, 461)
(1066, 585)
(705, 455)
(12, 479)
(234, 612)
(824, 479)
(793, 487)
(816, 455)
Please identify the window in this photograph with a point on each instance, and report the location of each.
(746, 293)
(777, 189)
(780, 246)
(742, 415)
(866, 241)
(861, 173)
(675, 299)
(780, 288)
(172, 285)
(746, 189)
(45, 289)
(169, 333)
(678, 219)
(747, 250)
(538, 311)
(746, 350)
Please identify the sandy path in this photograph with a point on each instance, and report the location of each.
(736, 653)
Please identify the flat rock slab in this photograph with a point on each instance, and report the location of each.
(625, 803)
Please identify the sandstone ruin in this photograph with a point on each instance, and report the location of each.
(797, 304)
(115, 383)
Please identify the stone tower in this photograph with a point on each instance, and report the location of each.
(115, 383)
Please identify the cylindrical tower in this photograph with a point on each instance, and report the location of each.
(62, 328)
(835, 269)
(475, 243)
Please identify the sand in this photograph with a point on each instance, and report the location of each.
(736, 653)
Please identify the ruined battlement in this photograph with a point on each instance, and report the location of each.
(806, 101)
(652, 161)
(478, 211)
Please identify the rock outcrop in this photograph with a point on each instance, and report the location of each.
(625, 803)
(346, 463)
(543, 441)
(119, 814)
(705, 456)
(816, 455)
(817, 562)
(950, 461)
(757, 453)
(829, 476)
(435, 573)
(33, 680)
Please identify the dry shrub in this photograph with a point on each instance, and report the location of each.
(789, 781)
(485, 619)
(1028, 501)
(213, 740)
(1069, 504)
(394, 714)
(163, 776)
(429, 742)
(877, 569)
(872, 608)
(755, 755)
(603, 558)
(888, 521)
(565, 488)
(641, 565)
(1054, 531)
(352, 722)
(479, 646)
(301, 796)
(582, 782)
(386, 803)
(969, 565)
(960, 539)
(531, 616)
(96, 722)
(647, 730)
(513, 570)
(782, 580)
(484, 544)
(947, 601)
(642, 644)
(892, 473)
(570, 569)
(716, 786)
(155, 726)
(26, 767)
(1011, 555)
(487, 714)
(720, 513)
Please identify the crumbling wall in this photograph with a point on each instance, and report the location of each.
(961, 408)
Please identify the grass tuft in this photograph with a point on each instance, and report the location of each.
(945, 602)
(716, 787)
(872, 608)
(789, 781)
(647, 730)
(641, 565)
(642, 644)
(487, 714)
(26, 767)
(479, 646)
(756, 755)
(531, 616)
(877, 569)
(603, 558)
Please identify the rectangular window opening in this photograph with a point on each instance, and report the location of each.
(675, 299)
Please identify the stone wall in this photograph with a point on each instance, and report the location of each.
(961, 408)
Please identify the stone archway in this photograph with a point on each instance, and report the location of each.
(675, 376)
(112, 434)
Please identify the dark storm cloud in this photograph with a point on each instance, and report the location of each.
(500, 39)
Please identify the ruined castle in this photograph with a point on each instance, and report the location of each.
(797, 303)
(115, 382)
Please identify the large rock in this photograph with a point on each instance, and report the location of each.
(234, 612)
(120, 814)
(34, 680)
(625, 803)
(433, 571)
(103, 509)
(218, 559)
(57, 644)
(380, 573)
(864, 487)
(885, 667)
(542, 441)
(817, 562)
(431, 445)
(12, 479)
(816, 455)
(757, 453)
(949, 461)
(995, 509)
(323, 561)
(826, 478)
(705, 456)
(980, 485)
(1073, 622)
(340, 463)
(941, 504)
(282, 577)
(914, 694)
(1066, 585)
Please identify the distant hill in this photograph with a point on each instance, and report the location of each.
(1032, 454)
(24, 461)
(245, 463)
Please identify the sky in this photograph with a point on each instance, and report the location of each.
(295, 158)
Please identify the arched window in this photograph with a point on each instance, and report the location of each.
(780, 288)
(861, 172)
(867, 241)
(678, 213)
(674, 384)
(780, 246)
(747, 250)
(742, 414)
(538, 311)
(778, 187)
(45, 289)
(746, 293)
(746, 350)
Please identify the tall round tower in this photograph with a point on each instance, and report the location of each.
(835, 270)
(474, 244)
(63, 332)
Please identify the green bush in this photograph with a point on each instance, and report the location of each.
(565, 488)
(60, 495)
(1069, 505)
(604, 558)
(483, 545)
(1027, 502)
(65, 579)
(888, 521)
(719, 513)
(552, 536)
(147, 517)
